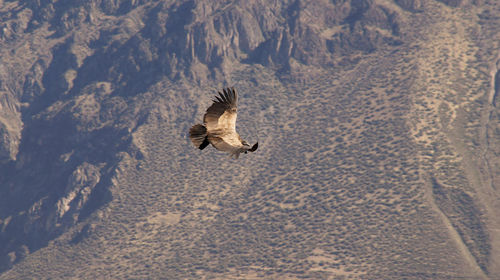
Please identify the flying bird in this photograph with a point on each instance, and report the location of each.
(219, 127)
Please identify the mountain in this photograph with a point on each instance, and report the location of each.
(377, 121)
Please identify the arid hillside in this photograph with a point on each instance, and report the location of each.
(378, 124)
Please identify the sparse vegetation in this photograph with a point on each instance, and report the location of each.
(376, 132)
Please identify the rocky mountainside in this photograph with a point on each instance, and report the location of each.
(378, 123)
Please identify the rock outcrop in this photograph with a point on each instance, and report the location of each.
(95, 95)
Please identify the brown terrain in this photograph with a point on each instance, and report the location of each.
(378, 124)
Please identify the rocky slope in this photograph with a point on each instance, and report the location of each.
(378, 124)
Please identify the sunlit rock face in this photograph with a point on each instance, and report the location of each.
(377, 124)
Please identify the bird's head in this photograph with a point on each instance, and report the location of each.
(245, 144)
(248, 148)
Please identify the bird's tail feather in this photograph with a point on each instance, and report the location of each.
(198, 135)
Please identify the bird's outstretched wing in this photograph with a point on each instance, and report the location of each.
(219, 126)
(220, 118)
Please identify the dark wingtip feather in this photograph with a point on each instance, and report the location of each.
(254, 147)
(235, 95)
(218, 100)
(227, 95)
(231, 95)
(204, 144)
(223, 97)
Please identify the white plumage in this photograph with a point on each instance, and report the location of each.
(219, 126)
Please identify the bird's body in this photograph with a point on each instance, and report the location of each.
(219, 126)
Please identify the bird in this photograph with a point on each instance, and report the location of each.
(219, 126)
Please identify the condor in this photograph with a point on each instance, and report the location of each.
(219, 127)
